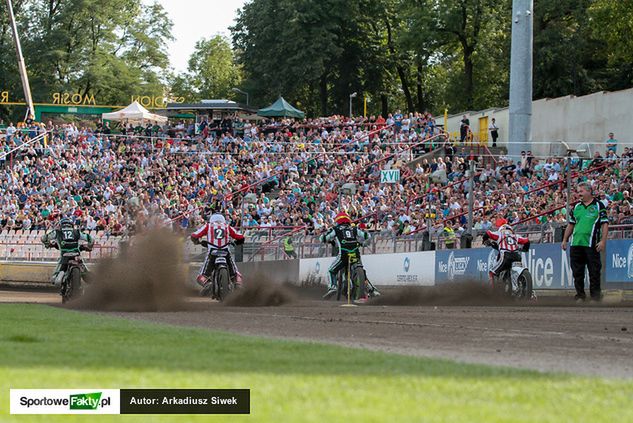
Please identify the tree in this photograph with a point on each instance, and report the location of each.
(212, 69)
(108, 48)
(289, 47)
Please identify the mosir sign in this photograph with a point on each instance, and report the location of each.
(74, 99)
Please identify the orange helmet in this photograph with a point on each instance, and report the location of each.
(342, 218)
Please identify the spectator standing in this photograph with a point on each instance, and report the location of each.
(612, 143)
(464, 127)
(588, 226)
(494, 132)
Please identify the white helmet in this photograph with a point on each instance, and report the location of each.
(217, 218)
(506, 228)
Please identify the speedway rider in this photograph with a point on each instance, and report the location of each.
(67, 239)
(219, 235)
(347, 239)
(508, 244)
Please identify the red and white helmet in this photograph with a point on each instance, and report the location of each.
(217, 218)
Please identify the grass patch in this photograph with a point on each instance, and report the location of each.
(22, 338)
(289, 381)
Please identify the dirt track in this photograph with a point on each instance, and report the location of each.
(583, 339)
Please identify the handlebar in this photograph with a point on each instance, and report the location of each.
(232, 242)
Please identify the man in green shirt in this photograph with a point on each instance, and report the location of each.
(589, 224)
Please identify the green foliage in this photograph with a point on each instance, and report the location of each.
(109, 48)
(413, 55)
(427, 54)
(212, 71)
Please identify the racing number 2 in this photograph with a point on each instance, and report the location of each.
(219, 233)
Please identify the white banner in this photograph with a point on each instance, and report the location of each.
(402, 269)
(390, 176)
(65, 401)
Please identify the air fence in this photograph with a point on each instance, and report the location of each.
(389, 260)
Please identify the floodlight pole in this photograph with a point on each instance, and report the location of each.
(351, 96)
(521, 78)
(21, 64)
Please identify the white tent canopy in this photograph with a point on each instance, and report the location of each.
(134, 113)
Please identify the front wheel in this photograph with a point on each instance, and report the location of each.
(72, 286)
(524, 285)
(222, 283)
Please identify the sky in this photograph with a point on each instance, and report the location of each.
(195, 19)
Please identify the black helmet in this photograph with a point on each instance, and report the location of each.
(66, 222)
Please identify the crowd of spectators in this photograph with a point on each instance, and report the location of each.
(293, 171)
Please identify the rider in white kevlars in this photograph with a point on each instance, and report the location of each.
(218, 236)
(508, 244)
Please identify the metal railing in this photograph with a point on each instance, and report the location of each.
(260, 247)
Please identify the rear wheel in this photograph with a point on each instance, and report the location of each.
(341, 285)
(359, 282)
(72, 287)
(222, 275)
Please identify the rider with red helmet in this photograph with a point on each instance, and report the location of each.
(347, 239)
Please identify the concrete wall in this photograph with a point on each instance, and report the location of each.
(576, 120)
(276, 271)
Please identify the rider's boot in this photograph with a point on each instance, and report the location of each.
(362, 300)
(202, 280)
(492, 279)
(330, 292)
(371, 290)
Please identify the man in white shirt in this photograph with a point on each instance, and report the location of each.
(10, 131)
(494, 132)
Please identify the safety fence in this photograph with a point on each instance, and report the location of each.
(264, 244)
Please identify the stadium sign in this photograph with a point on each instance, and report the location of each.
(390, 176)
(74, 99)
(157, 101)
(77, 99)
(619, 261)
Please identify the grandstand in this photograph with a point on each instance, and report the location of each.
(116, 184)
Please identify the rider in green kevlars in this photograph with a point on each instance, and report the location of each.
(67, 239)
(348, 239)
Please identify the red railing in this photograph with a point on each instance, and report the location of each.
(28, 251)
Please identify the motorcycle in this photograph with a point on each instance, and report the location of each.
(70, 274)
(354, 273)
(219, 284)
(514, 283)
